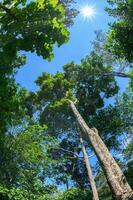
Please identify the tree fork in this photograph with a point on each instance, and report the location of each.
(115, 177)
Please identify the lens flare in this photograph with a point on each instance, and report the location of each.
(88, 11)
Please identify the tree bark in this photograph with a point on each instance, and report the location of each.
(115, 177)
(89, 171)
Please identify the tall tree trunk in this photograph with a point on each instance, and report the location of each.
(89, 171)
(115, 178)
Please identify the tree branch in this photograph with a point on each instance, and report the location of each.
(118, 74)
(4, 8)
(7, 10)
(73, 153)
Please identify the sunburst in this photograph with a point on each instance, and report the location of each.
(88, 11)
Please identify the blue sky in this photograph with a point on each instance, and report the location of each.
(79, 45)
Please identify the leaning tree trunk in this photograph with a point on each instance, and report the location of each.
(89, 171)
(115, 178)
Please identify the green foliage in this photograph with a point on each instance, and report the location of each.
(110, 130)
(10, 101)
(29, 159)
(71, 194)
(30, 155)
(70, 11)
(120, 40)
(124, 104)
(99, 44)
(12, 117)
(20, 194)
(129, 171)
(29, 145)
(129, 149)
(31, 26)
(89, 83)
(131, 80)
(52, 97)
(24, 26)
(84, 82)
(85, 85)
(52, 84)
(75, 194)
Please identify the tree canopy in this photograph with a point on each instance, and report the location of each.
(41, 153)
(120, 40)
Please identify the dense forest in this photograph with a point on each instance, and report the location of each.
(63, 141)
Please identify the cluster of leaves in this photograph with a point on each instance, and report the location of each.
(30, 163)
(12, 116)
(120, 40)
(75, 193)
(24, 147)
(18, 194)
(70, 12)
(31, 26)
(21, 194)
(124, 106)
(131, 80)
(129, 172)
(71, 194)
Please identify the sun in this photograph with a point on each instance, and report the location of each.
(88, 11)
